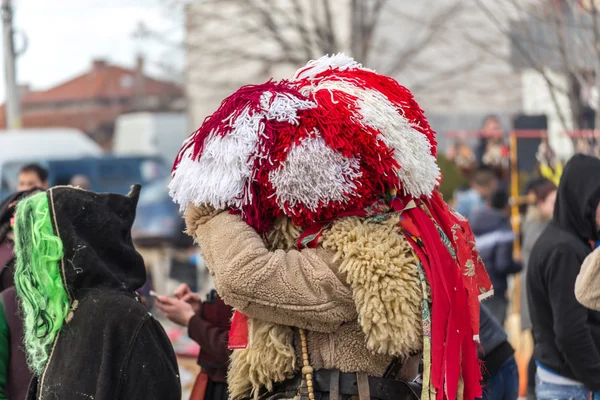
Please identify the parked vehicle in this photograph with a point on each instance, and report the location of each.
(105, 173)
(158, 219)
(35, 145)
(150, 134)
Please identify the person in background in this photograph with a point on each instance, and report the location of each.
(7, 257)
(81, 181)
(549, 165)
(495, 240)
(14, 373)
(566, 333)
(457, 194)
(537, 216)
(7, 209)
(500, 375)
(482, 185)
(32, 176)
(491, 128)
(208, 325)
(463, 157)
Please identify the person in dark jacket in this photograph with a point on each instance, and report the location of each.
(500, 375)
(495, 240)
(539, 213)
(14, 373)
(7, 257)
(208, 325)
(566, 333)
(86, 334)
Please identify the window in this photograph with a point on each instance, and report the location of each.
(127, 81)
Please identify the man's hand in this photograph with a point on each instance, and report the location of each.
(181, 291)
(178, 311)
(184, 293)
(194, 300)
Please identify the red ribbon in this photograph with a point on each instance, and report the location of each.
(238, 333)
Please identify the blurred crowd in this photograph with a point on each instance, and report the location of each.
(558, 227)
(559, 215)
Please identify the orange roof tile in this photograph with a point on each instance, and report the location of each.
(86, 121)
(103, 82)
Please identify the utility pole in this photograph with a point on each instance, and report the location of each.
(13, 102)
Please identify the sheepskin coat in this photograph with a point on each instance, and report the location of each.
(358, 296)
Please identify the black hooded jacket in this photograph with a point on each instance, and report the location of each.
(567, 335)
(112, 348)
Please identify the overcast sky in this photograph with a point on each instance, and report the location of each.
(65, 35)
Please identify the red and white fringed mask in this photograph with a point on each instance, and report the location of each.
(328, 143)
(331, 140)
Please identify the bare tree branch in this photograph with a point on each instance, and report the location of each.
(432, 30)
(253, 38)
(308, 39)
(371, 23)
(331, 40)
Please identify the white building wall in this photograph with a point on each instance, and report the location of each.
(466, 67)
(537, 99)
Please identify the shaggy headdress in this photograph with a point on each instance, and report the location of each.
(328, 144)
(329, 141)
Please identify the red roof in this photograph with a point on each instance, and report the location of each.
(85, 102)
(102, 82)
(83, 120)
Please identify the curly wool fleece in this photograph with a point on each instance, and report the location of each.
(384, 277)
(383, 274)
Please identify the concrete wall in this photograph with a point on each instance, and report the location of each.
(465, 68)
(537, 100)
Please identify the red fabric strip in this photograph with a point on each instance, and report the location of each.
(238, 333)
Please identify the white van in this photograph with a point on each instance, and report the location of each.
(40, 145)
(150, 134)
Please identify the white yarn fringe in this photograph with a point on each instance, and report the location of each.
(222, 175)
(284, 107)
(419, 172)
(335, 61)
(315, 175)
(486, 295)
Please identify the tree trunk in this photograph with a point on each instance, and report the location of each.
(576, 102)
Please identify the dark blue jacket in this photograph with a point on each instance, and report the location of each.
(491, 333)
(495, 239)
(495, 349)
